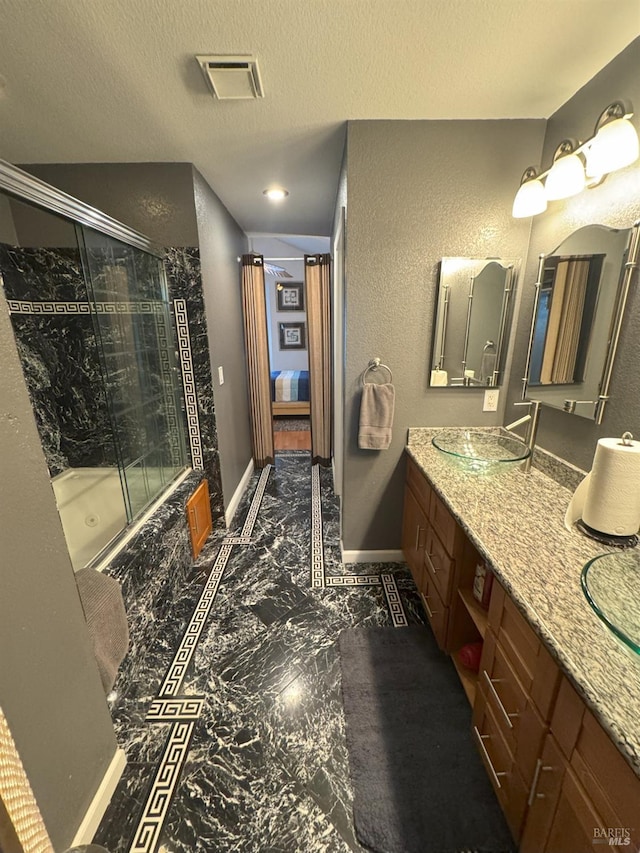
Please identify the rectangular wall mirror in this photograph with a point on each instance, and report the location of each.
(473, 318)
(580, 298)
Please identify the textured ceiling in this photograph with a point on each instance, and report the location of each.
(117, 81)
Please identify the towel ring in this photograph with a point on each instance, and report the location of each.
(374, 364)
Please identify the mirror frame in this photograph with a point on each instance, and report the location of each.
(630, 265)
(441, 316)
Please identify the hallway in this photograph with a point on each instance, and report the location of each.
(235, 740)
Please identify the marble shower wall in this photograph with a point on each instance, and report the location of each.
(55, 336)
(185, 282)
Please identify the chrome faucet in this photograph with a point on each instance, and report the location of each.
(531, 419)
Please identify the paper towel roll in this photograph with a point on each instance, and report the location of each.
(608, 499)
(439, 377)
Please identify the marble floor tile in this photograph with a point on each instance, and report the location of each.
(266, 767)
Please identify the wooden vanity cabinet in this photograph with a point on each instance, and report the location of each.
(438, 555)
(562, 783)
(584, 792)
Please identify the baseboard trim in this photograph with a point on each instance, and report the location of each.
(230, 511)
(371, 556)
(102, 798)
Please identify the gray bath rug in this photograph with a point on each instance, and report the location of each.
(419, 784)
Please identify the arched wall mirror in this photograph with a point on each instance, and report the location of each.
(473, 318)
(580, 299)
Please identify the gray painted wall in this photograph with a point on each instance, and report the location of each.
(153, 198)
(221, 243)
(616, 203)
(50, 689)
(418, 191)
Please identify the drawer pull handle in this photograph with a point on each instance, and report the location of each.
(490, 682)
(432, 565)
(480, 738)
(418, 532)
(536, 776)
(430, 613)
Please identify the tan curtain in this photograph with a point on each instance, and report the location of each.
(565, 321)
(257, 346)
(317, 278)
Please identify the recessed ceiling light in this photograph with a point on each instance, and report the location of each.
(275, 194)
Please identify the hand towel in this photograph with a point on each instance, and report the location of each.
(376, 416)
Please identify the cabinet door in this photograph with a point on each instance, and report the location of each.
(576, 825)
(414, 533)
(437, 612)
(543, 797)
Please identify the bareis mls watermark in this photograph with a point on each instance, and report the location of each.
(617, 836)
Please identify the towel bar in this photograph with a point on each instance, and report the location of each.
(374, 364)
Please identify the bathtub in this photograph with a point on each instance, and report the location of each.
(91, 508)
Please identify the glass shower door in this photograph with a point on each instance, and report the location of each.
(134, 328)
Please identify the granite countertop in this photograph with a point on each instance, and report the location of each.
(516, 521)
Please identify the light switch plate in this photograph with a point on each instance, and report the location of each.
(220, 376)
(491, 400)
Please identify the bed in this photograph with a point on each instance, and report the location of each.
(290, 392)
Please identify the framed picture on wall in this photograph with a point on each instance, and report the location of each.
(290, 295)
(292, 336)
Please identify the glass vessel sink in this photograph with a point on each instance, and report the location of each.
(611, 583)
(479, 452)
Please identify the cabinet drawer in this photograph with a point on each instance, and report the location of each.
(500, 764)
(418, 483)
(439, 565)
(520, 723)
(443, 522)
(437, 612)
(535, 668)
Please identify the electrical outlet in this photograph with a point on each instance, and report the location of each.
(220, 376)
(490, 400)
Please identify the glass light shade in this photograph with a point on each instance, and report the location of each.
(530, 200)
(565, 178)
(614, 146)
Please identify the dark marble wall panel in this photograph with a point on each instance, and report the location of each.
(152, 570)
(59, 355)
(185, 282)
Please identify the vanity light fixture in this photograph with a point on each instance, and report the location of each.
(613, 146)
(275, 193)
(531, 198)
(566, 176)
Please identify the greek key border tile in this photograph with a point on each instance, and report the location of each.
(352, 580)
(394, 602)
(171, 709)
(254, 509)
(237, 540)
(317, 545)
(53, 307)
(162, 789)
(173, 679)
(161, 321)
(188, 382)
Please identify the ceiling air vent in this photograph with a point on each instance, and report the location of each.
(232, 77)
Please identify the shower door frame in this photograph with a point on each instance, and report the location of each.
(26, 187)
